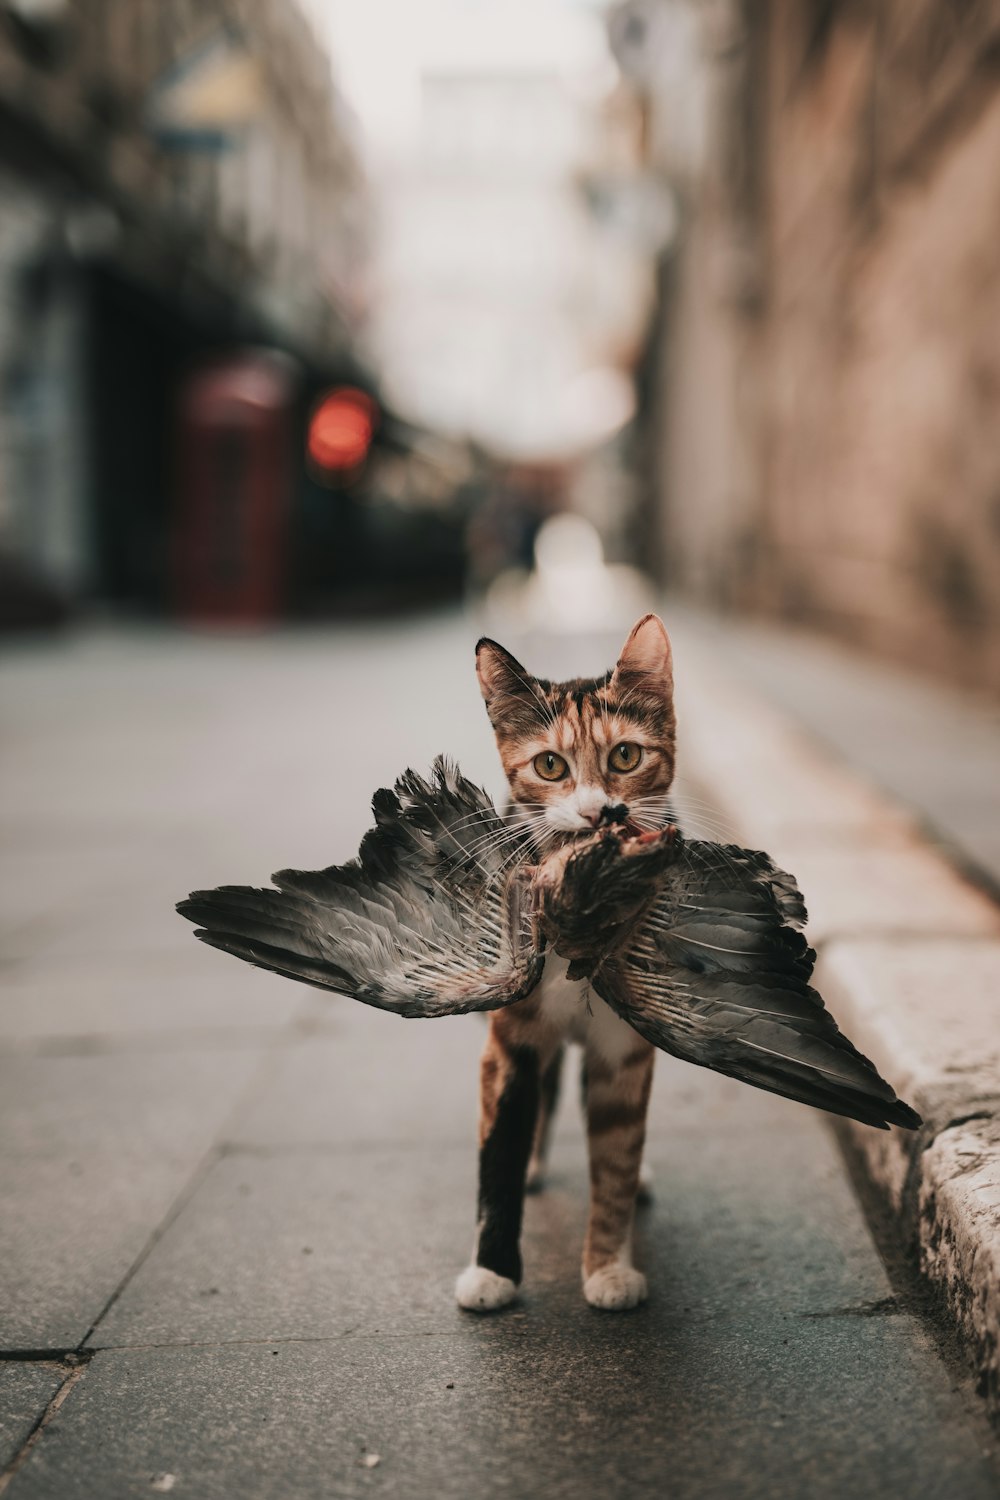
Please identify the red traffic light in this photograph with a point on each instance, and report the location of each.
(341, 429)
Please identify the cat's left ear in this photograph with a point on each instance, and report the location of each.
(500, 674)
(514, 700)
(646, 657)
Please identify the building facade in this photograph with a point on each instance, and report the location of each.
(828, 410)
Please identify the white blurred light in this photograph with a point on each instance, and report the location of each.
(596, 405)
(382, 48)
(572, 589)
(568, 543)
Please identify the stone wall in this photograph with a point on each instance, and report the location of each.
(830, 403)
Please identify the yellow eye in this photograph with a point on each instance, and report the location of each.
(550, 766)
(625, 757)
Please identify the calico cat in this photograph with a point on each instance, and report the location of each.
(576, 754)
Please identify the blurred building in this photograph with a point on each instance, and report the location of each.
(827, 414)
(508, 307)
(176, 176)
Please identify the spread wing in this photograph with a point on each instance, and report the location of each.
(717, 973)
(431, 919)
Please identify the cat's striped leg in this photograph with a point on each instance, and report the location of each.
(509, 1083)
(548, 1099)
(617, 1095)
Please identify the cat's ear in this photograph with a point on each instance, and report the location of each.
(646, 658)
(500, 674)
(514, 700)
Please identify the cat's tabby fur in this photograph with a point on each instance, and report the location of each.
(579, 725)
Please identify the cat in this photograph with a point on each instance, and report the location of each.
(576, 755)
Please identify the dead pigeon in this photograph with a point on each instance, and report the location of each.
(697, 945)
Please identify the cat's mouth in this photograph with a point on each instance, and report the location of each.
(628, 832)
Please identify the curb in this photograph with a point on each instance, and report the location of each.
(909, 963)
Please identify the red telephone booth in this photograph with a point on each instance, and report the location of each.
(235, 478)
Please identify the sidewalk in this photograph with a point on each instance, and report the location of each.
(909, 949)
(233, 1209)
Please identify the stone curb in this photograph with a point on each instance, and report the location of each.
(909, 963)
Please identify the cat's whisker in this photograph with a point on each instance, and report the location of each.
(481, 867)
(482, 815)
(682, 794)
(472, 849)
(496, 828)
(495, 839)
(709, 819)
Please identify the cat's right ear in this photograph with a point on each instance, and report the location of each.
(500, 674)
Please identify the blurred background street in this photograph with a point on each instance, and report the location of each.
(334, 333)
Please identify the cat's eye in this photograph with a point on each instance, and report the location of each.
(550, 766)
(625, 757)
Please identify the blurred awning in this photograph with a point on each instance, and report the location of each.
(208, 97)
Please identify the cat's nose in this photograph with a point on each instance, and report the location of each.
(609, 815)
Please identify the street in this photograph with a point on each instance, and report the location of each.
(233, 1208)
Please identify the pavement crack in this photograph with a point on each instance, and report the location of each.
(71, 1355)
(342, 1335)
(878, 1307)
(75, 1365)
(178, 1206)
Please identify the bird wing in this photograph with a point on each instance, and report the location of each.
(716, 972)
(431, 919)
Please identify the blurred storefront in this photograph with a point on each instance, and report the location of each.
(175, 180)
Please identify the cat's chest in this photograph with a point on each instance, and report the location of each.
(570, 1007)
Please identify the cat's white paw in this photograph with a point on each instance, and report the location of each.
(480, 1290)
(614, 1288)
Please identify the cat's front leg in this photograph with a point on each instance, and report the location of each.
(509, 1081)
(617, 1096)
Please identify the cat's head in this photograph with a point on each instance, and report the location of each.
(581, 753)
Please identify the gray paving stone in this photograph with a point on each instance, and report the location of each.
(95, 1152)
(173, 1104)
(306, 1244)
(638, 1406)
(69, 1232)
(117, 999)
(370, 1077)
(25, 1392)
